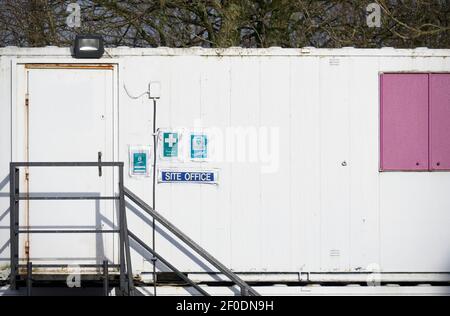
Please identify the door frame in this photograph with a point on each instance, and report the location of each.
(19, 86)
(18, 90)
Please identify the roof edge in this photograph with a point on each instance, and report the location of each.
(232, 51)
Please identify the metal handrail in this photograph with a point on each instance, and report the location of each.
(125, 234)
(245, 288)
(126, 277)
(167, 263)
(67, 164)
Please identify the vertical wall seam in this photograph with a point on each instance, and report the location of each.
(350, 164)
(230, 105)
(320, 162)
(11, 110)
(430, 130)
(290, 168)
(262, 252)
(380, 108)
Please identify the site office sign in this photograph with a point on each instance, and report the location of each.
(172, 175)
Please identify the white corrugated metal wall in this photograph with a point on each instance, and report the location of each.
(326, 208)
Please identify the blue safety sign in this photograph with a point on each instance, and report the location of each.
(174, 176)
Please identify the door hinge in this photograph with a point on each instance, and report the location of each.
(27, 99)
(27, 176)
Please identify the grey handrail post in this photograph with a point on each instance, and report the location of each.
(123, 285)
(29, 278)
(105, 277)
(16, 197)
(14, 181)
(127, 246)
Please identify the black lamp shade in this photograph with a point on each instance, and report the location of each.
(88, 46)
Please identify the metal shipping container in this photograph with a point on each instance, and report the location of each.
(301, 145)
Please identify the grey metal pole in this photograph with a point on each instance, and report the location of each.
(244, 291)
(127, 249)
(16, 221)
(12, 227)
(155, 143)
(122, 233)
(105, 278)
(29, 277)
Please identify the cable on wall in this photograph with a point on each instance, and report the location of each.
(154, 93)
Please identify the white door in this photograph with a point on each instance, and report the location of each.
(69, 118)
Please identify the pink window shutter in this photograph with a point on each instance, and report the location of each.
(404, 122)
(440, 121)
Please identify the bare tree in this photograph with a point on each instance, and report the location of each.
(225, 23)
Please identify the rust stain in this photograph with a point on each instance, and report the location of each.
(70, 66)
(66, 270)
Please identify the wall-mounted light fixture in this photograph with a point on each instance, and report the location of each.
(88, 46)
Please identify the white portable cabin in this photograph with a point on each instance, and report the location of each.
(298, 191)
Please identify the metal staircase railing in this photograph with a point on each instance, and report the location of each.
(126, 275)
(245, 288)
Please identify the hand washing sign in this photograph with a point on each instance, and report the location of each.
(140, 161)
(199, 146)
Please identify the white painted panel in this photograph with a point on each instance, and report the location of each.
(305, 165)
(414, 222)
(215, 219)
(245, 172)
(275, 186)
(364, 158)
(335, 163)
(69, 119)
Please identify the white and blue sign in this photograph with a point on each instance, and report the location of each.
(188, 176)
(199, 146)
